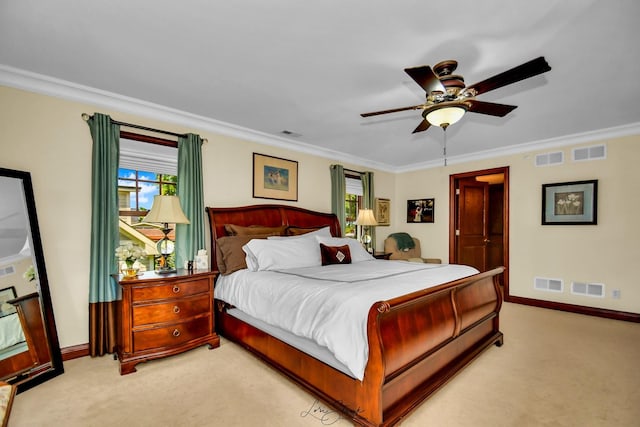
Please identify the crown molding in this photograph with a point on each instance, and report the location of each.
(45, 85)
(561, 141)
(50, 86)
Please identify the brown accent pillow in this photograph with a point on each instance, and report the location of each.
(335, 254)
(293, 230)
(252, 230)
(229, 254)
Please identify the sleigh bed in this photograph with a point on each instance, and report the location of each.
(416, 342)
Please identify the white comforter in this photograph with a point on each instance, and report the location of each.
(329, 304)
(10, 331)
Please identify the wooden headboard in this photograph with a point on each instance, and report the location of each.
(270, 215)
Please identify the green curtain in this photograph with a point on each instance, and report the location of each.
(368, 200)
(103, 289)
(338, 193)
(190, 237)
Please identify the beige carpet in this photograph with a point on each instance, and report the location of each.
(555, 369)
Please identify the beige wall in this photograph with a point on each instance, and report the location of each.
(47, 137)
(17, 280)
(605, 253)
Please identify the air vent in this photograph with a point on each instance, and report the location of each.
(595, 152)
(588, 289)
(549, 159)
(7, 271)
(546, 284)
(291, 133)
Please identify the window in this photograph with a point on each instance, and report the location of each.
(136, 190)
(148, 167)
(352, 203)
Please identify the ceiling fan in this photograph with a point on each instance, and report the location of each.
(448, 99)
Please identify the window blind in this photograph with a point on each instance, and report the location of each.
(354, 186)
(147, 157)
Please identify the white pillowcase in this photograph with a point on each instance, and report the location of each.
(358, 252)
(281, 254)
(325, 231)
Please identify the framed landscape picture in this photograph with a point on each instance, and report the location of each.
(420, 210)
(274, 178)
(570, 203)
(7, 294)
(383, 211)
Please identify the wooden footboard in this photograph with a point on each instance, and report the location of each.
(417, 343)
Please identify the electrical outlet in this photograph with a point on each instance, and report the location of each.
(615, 294)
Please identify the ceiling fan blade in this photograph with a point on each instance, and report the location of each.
(490, 108)
(521, 72)
(424, 125)
(393, 110)
(426, 78)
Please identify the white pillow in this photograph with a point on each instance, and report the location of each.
(358, 252)
(264, 254)
(325, 231)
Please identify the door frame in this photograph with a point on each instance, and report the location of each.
(453, 212)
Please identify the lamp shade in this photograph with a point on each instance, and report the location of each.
(166, 209)
(446, 115)
(365, 217)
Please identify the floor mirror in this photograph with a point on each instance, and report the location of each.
(29, 349)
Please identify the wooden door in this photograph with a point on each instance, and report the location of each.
(472, 223)
(479, 220)
(495, 227)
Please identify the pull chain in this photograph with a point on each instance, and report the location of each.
(444, 148)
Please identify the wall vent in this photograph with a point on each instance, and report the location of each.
(546, 284)
(7, 271)
(595, 152)
(588, 289)
(549, 159)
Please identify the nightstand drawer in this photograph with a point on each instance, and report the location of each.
(171, 336)
(174, 289)
(171, 311)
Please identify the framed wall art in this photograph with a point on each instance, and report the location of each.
(420, 210)
(7, 294)
(570, 203)
(383, 211)
(275, 178)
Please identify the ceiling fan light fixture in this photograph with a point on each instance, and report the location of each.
(445, 115)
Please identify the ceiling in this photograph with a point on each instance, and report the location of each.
(311, 68)
(13, 220)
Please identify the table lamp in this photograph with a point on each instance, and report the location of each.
(166, 210)
(366, 220)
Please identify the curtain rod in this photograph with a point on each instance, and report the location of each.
(86, 117)
(353, 171)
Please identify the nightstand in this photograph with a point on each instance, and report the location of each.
(381, 255)
(164, 314)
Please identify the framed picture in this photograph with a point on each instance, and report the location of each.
(383, 211)
(275, 178)
(420, 210)
(7, 294)
(570, 203)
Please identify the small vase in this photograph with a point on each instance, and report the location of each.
(130, 272)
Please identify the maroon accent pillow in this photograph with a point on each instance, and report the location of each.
(335, 254)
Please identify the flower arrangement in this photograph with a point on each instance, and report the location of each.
(30, 274)
(130, 253)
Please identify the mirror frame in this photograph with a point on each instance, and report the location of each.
(37, 375)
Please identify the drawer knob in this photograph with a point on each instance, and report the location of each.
(176, 333)
(176, 289)
(176, 309)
